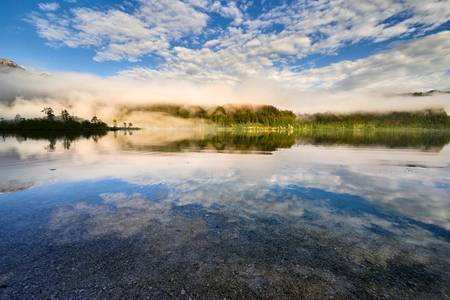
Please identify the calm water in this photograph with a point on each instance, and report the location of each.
(186, 214)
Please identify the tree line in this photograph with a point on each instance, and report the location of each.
(266, 115)
(65, 122)
(427, 118)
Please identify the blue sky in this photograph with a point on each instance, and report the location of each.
(297, 46)
(20, 42)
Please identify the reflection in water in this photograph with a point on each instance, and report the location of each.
(429, 140)
(164, 214)
(433, 140)
(258, 141)
(53, 139)
(218, 142)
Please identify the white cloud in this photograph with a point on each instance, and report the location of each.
(230, 11)
(306, 27)
(172, 17)
(118, 35)
(335, 23)
(129, 40)
(48, 6)
(419, 64)
(256, 59)
(249, 47)
(365, 84)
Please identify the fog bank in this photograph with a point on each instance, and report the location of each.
(86, 95)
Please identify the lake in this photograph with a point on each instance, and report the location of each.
(204, 215)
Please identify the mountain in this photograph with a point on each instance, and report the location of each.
(7, 65)
(427, 93)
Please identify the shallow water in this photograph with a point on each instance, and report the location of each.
(192, 214)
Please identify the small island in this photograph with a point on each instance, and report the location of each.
(62, 125)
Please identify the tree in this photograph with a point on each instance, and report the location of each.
(130, 125)
(18, 118)
(95, 120)
(125, 124)
(65, 115)
(48, 111)
(115, 123)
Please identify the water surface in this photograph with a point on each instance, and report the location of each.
(193, 214)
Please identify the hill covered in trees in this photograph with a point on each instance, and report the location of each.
(270, 116)
(427, 118)
(228, 115)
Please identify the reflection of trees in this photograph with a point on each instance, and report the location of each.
(66, 143)
(418, 139)
(223, 142)
(53, 138)
(51, 146)
(43, 135)
(20, 139)
(248, 142)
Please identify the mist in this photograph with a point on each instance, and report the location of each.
(86, 95)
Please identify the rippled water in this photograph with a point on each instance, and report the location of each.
(193, 214)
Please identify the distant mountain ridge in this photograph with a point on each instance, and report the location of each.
(427, 93)
(9, 65)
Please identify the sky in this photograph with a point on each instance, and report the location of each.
(304, 55)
